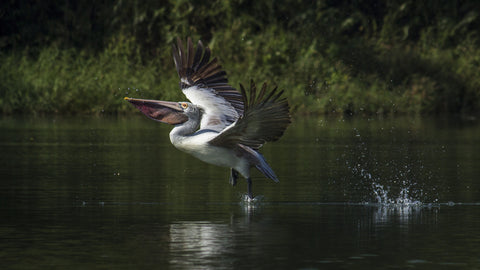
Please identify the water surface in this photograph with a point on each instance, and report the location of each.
(112, 193)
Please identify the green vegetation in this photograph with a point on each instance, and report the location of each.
(354, 57)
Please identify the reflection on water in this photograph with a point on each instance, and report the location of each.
(199, 243)
(404, 213)
(313, 235)
(353, 194)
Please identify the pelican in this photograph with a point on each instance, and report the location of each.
(220, 125)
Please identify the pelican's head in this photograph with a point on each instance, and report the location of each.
(168, 112)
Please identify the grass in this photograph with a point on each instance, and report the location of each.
(365, 76)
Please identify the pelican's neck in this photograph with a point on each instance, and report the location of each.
(183, 131)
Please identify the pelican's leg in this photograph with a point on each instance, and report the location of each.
(249, 188)
(233, 177)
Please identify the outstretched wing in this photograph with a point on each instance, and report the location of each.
(205, 84)
(265, 118)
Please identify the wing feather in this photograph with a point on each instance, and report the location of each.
(204, 83)
(265, 119)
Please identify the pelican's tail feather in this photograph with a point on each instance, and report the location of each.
(256, 159)
(265, 168)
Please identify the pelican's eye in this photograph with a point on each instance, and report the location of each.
(184, 105)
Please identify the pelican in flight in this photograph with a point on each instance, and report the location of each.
(219, 125)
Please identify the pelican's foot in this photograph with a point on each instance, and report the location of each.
(233, 177)
(249, 188)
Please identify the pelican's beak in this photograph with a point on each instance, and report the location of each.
(162, 111)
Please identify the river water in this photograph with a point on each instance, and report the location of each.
(360, 193)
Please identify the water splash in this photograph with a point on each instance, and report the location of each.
(381, 194)
(245, 199)
(402, 206)
(396, 191)
(376, 177)
(251, 205)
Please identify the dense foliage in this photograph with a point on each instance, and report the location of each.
(355, 57)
